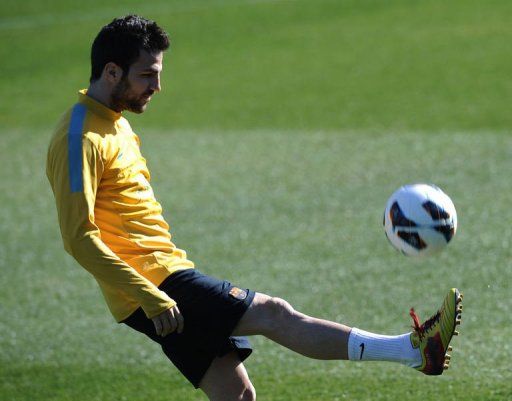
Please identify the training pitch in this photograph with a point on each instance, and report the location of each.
(281, 130)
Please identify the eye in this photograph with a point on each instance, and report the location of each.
(149, 74)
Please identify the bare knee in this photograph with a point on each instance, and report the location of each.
(249, 393)
(265, 315)
(278, 312)
(280, 308)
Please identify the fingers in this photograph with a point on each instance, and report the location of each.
(179, 319)
(158, 325)
(169, 321)
(162, 324)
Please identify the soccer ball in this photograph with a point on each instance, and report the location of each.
(420, 219)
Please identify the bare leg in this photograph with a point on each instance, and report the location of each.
(277, 320)
(227, 380)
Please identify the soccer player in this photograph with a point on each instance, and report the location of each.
(112, 225)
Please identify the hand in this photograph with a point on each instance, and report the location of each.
(168, 321)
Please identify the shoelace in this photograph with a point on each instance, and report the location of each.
(422, 329)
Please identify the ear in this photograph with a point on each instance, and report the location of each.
(112, 73)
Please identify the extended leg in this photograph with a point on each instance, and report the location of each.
(425, 348)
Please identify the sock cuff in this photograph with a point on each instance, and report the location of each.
(353, 346)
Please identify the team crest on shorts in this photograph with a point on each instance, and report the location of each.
(238, 293)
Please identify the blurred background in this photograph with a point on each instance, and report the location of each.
(281, 130)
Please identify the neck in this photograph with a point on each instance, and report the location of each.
(100, 94)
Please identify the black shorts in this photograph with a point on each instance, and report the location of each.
(211, 309)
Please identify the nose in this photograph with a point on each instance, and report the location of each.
(155, 84)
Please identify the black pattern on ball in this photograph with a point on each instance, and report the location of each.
(413, 239)
(435, 211)
(397, 217)
(448, 231)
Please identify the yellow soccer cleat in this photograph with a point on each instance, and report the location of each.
(434, 335)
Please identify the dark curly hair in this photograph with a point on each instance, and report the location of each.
(122, 40)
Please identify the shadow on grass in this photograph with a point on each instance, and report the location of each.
(131, 382)
(90, 383)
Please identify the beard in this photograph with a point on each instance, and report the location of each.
(123, 98)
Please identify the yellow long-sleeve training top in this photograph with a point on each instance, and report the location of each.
(109, 218)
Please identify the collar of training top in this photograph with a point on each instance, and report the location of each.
(96, 107)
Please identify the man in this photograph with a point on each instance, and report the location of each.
(112, 224)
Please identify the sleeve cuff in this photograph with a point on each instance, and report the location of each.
(154, 310)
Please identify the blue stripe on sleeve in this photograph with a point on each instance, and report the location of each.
(76, 125)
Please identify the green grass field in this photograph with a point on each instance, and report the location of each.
(282, 129)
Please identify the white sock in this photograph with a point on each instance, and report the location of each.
(365, 346)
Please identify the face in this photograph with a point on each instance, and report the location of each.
(133, 92)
